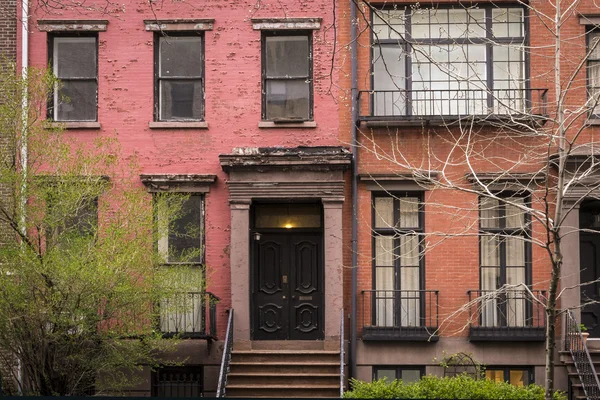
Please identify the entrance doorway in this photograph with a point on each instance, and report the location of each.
(589, 219)
(287, 272)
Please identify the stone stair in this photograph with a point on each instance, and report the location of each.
(594, 350)
(284, 371)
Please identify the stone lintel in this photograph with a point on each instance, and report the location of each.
(274, 24)
(192, 183)
(73, 25)
(158, 25)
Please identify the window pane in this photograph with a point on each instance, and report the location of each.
(519, 377)
(594, 73)
(75, 57)
(489, 213)
(593, 45)
(490, 251)
(384, 212)
(184, 239)
(76, 101)
(494, 375)
(409, 250)
(384, 250)
(409, 212)
(287, 216)
(384, 284)
(288, 99)
(515, 252)
(389, 69)
(410, 302)
(180, 56)
(389, 374)
(410, 375)
(287, 56)
(181, 100)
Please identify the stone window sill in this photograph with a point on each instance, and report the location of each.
(593, 122)
(178, 125)
(76, 125)
(287, 125)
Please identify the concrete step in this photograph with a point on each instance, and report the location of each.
(289, 367)
(283, 391)
(286, 356)
(289, 378)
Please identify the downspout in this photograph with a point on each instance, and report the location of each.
(354, 128)
(23, 142)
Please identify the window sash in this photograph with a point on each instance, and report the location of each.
(268, 108)
(194, 80)
(164, 244)
(60, 109)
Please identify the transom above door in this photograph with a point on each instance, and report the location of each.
(287, 272)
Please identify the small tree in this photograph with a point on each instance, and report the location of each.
(81, 281)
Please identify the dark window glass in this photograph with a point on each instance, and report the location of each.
(180, 78)
(287, 72)
(75, 65)
(408, 374)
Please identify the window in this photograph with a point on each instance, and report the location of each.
(397, 244)
(71, 223)
(179, 77)
(593, 69)
(287, 76)
(407, 374)
(504, 253)
(448, 61)
(75, 63)
(180, 243)
(187, 381)
(517, 376)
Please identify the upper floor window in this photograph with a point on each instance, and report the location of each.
(179, 77)
(75, 63)
(593, 70)
(504, 255)
(449, 61)
(287, 85)
(397, 248)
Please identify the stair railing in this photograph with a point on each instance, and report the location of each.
(342, 355)
(575, 344)
(226, 357)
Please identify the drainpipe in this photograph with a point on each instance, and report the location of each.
(23, 143)
(354, 128)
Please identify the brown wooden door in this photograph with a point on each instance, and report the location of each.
(590, 271)
(287, 298)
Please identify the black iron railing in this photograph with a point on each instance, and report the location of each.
(192, 314)
(507, 315)
(575, 345)
(226, 358)
(448, 103)
(400, 314)
(342, 356)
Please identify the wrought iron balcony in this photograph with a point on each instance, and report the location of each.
(447, 106)
(404, 315)
(516, 315)
(189, 315)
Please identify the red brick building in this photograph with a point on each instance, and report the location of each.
(253, 108)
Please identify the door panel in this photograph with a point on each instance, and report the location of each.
(288, 287)
(590, 271)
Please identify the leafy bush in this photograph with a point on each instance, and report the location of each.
(457, 387)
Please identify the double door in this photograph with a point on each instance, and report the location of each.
(287, 295)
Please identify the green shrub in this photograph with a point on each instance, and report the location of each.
(457, 387)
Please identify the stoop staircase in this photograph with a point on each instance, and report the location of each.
(582, 359)
(284, 369)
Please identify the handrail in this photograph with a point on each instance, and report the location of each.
(575, 344)
(226, 357)
(342, 355)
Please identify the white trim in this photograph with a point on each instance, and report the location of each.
(275, 24)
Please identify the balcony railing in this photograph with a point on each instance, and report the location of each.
(189, 315)
(514, 315)
(410, 315)
(449, 105)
